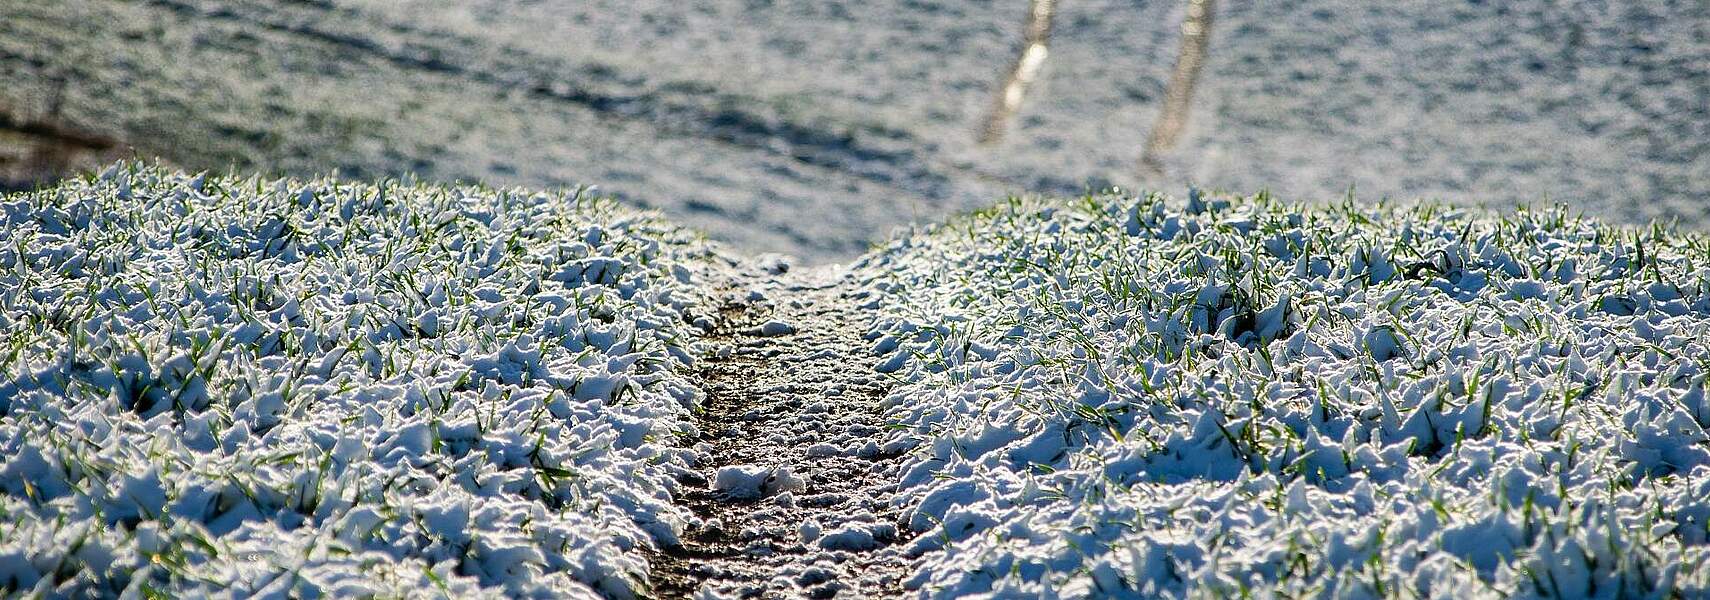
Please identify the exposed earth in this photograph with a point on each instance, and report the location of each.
(791, 502)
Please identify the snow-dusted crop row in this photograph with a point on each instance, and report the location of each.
(1139, 397)
(214, 384)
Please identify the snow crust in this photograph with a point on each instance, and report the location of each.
(234, 387)
(1142, 397)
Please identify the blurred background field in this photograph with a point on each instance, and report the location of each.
(815, 127)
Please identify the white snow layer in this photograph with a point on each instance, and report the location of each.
(1138, 397)
(222, 386)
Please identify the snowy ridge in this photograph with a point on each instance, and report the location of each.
(1127, 397)
(216, 385)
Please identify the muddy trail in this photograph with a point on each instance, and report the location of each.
(795, 500)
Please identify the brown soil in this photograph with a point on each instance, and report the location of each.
(42, 151)
(768, 400)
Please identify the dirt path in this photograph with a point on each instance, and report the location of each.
(792, 413)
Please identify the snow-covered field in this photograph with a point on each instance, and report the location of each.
(246, 386)
(1145, 397)
(233, 386)
(241, 386)
(812, 127)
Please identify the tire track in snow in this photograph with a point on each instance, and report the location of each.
(1178, 97)
(791, 399)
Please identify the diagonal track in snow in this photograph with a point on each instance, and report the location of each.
(783, 403)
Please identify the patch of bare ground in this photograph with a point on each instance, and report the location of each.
(795, 500)
(37, 151)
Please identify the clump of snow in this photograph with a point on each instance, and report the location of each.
(1113, 396)
(849, 537)
(773, 328)
(224, 385)
(809, 530)
(749, 482)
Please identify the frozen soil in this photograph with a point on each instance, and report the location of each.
(794, 495)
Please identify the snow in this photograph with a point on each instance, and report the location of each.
(849, 537)
(773, 328)
(236, 386)
(809, 530)
(1141, 397)
(815, 128)
(233, 386)
(750, 482)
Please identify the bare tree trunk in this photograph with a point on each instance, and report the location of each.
(1035, 38)
(1178, 97)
